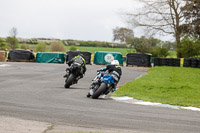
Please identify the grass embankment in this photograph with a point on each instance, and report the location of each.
(169, 85)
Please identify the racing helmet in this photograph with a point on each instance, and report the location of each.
(80, 54)
(115, 62)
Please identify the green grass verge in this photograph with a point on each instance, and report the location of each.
(123, 51)
(169, 85)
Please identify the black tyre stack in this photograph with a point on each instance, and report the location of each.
(194, 62)
(166, 62)
(170, 61)
(198, 66)
(176, 62)
(157, 61)
(187, 62)
(136, 59)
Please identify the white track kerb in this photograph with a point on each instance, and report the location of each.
(130, 100)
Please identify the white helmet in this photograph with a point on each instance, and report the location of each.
(115, 62)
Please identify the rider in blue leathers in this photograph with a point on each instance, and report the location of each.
(115, 69)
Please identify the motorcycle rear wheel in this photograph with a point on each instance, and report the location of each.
(69, 81)
(99, 91)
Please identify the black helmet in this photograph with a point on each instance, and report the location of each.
(81, 55)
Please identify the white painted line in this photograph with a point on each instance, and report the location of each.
(148, 103)
(4, 65)
(131, 100)
(191, 108)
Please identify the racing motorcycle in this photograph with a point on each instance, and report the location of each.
(73, 74)
(102, 84)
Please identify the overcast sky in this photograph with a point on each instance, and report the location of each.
(63, 19)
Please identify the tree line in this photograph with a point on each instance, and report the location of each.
(180, 18)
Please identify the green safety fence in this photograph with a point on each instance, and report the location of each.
(105, 58)
(46, 57)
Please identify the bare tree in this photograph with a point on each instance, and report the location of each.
(160, 17)
(13, 32)
(12, 40)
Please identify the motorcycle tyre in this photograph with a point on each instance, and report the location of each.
(99, 91)
(69, 81)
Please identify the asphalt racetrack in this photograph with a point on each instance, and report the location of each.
(35, 91)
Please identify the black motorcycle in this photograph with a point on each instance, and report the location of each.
(73, 74)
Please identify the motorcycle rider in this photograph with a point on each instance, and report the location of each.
(113, 69)
(78, 59)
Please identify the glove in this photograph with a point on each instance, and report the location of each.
(113, 90)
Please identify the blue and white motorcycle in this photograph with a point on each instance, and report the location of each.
(102, 84)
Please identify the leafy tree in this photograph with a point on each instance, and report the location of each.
(12, 42)
(124, 35)
(73, 48)
(160, 17)
(3, 44)
(190, 46)
(169, 45)
(57, 46)
(192, 14)
(158, 51)
(141, 45)
(144, 45)
(41, 47)
(25, 46)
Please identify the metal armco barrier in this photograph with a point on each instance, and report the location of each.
(72, 54)
(138, 59)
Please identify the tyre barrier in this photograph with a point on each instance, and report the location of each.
(170, 61)
(138, 59)
(72, 54)
(20, 55)
(157, 61)
(187, 62)
(176, 62)
(198, 66)
(194, 62)
(166, 61)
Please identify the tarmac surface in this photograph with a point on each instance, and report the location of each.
(33, 100)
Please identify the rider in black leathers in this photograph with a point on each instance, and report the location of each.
(78, 59)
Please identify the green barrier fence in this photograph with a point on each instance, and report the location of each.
(45, 57)
(105, 58)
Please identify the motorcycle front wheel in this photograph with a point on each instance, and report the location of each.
(99, 91)
(69, 81)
